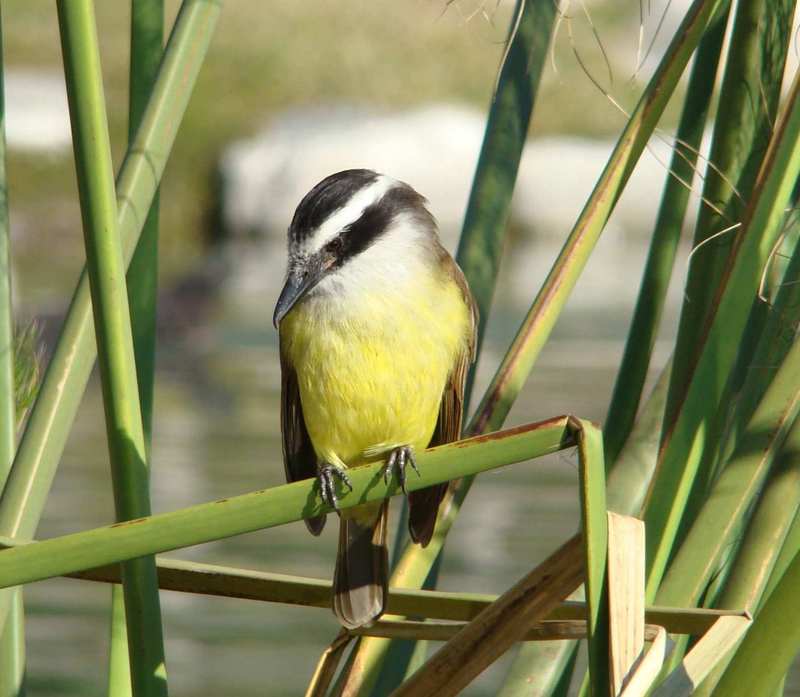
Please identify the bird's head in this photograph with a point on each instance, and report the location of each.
(352, 220)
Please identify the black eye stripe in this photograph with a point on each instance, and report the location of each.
(357, 236)
(330, 195)
(375, 221)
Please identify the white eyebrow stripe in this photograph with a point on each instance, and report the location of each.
(351, 212)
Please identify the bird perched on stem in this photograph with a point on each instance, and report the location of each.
(377, 330)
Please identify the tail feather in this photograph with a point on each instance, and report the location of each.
(362, 568)
(423, 506)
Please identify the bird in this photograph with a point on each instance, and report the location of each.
(376, 327)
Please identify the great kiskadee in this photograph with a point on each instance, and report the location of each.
(377, 330)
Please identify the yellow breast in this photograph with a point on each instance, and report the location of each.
(371, 369)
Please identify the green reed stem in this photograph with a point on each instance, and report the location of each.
(147, 37)
(106, 271)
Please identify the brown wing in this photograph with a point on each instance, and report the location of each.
(423, 505)
(299, 458)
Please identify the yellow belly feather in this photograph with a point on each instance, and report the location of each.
(371, 370)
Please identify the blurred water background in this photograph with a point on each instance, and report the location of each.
(292, 92)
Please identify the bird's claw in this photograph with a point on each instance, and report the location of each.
(397, 461)
(326, 475)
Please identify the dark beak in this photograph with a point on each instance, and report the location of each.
(297, 285)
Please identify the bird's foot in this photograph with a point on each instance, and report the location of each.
(327, 474)
(397, 461)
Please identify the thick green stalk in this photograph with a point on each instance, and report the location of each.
(683, 447)
(748, 106)
(106, 271)
(68, 372)
(147, 37)
(664, 243)
(270, 507)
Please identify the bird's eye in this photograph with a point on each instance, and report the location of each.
(333, 251)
